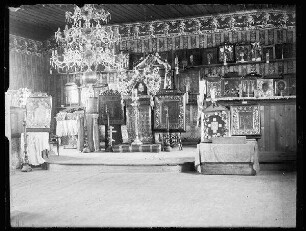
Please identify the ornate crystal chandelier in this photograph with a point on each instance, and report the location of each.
(86, 44)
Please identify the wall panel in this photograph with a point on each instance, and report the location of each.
(29, 71)
(278, 140)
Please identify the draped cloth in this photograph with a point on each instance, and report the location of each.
(92, 131)
(227, 153)
(36, 143)
(66, 128)
(80, 142)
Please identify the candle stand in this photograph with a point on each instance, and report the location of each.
(167, 147)
(25, 166)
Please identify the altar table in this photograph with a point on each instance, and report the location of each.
(241, 159)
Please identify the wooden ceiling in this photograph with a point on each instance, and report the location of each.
(39, 22)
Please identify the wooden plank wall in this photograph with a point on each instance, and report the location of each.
(278, 140)
(33, 72)
(29, 71)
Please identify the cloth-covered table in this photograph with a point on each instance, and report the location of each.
(71, 126)
(67, 128)
(227, 153)
(36, 143)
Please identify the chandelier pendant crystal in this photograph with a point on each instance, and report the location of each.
(86, 43)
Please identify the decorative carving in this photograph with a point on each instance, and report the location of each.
(25, 45)
(148, 71)
(214, 24)
(283, 20)
(232, 23)
(182, 27)
(265, 19)
(238, 21)
(245, 120)
(249, 22)
(166, 29)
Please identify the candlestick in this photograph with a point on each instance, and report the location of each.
(167, 146)
(25, 166)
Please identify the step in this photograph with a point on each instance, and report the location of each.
(121, 168)
(227, 169)
(137, 148)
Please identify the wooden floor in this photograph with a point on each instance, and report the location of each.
(93, 199)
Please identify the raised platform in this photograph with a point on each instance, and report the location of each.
(73, 160)
(174, 161)
(137, 148)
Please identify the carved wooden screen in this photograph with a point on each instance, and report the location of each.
(112, 101)
(38, 113)
(176, 109)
